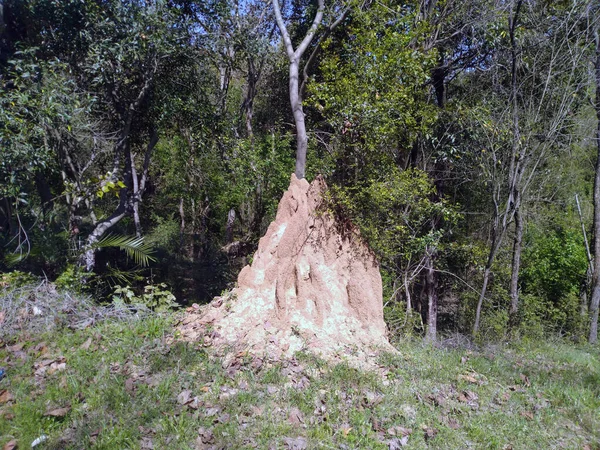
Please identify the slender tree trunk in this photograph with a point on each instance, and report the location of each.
(515, 173)
(182, 224)
(432, 297)
(136, 195)
(139, 184)
(230, 222)
(516, 264)
(595, 300)
(294, 56)
(590, 268)
(407, 293)
(296, 103)
(486, 279)
(88, 259)
(44, 192)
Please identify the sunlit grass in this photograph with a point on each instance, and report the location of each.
(121, 389)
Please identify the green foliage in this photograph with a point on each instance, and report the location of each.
(371, 88)
(554, 270)
(155, 297)
(395, 213)
(165, 235)
(73, 278)
(16, 279)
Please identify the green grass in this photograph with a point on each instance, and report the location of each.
(122, 393)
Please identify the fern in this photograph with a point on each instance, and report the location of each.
(135, 247)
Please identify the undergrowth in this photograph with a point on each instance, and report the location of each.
(124, 384)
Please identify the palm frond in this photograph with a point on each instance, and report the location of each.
(12, 259)
(135, 247)
(116, 276)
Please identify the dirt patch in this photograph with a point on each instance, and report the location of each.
(309, 287)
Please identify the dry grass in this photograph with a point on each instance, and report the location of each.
(41, 307)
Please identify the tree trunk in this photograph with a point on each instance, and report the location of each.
(182, 224)
(516, 264)
(432, 297)
(230, 222)
(136, 196)
(486, 279)
(294, 56)
(88, 259)
(595, 301)
(296, 103)
(44, 192)
(515, 173)
(516, 188)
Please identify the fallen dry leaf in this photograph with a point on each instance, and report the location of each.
(525, 380)
(210, 412)
(146, 444)
(527, 414)
(345, 428)
(57, 412)
(298, 443)
(397, 443)
(56, 367)
(16, 347)
(377, 425)
(468, 397)
(223, 418)
(430, 432)
(6, 415)
(295, 417)
(11, 445)
(129, 385)
(86, 344)
(469, 378)
(399, 431)
(5, 396)
(436, 400)
(372, 399)
(41, 348)
(205, 436)
(453, 423)
(184, 397)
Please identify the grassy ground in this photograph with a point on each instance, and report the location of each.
(119, 385)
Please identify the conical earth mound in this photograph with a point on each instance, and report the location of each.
(312, 285)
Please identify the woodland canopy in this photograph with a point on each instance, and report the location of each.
(145, 144)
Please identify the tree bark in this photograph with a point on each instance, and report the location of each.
(230, 222)
(181, 224)
(486, 279)
(125, 205)
(432, 297)
(516, 264)
(139, 184)
(595, 300)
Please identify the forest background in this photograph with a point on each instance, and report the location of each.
(459, 136)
